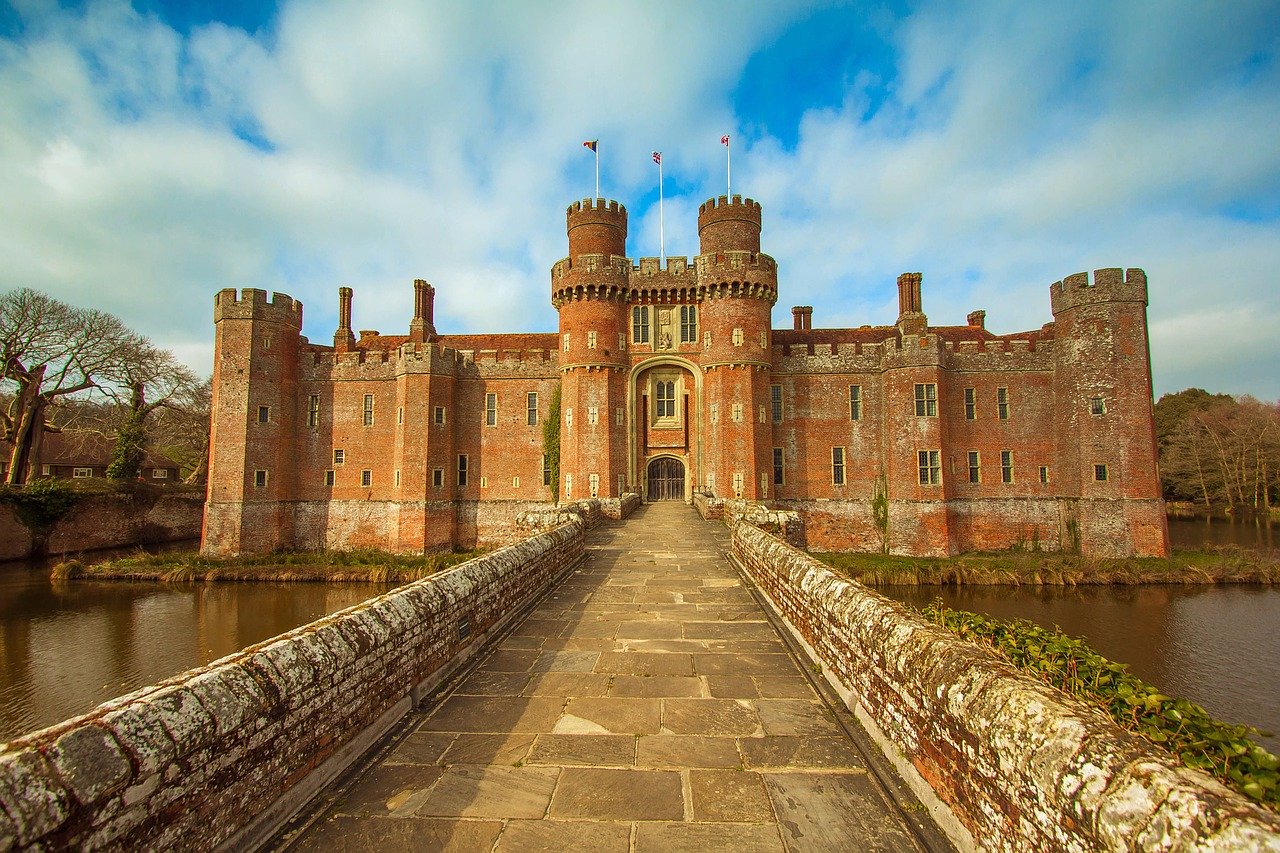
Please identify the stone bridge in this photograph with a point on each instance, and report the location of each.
(626, 687)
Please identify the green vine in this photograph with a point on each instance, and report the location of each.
(130, 451)
(551, 442)
(40, 503)
(1185, 729)
(880, 511)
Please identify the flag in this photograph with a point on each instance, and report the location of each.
(724, 140)
(591, 143)
(657, 157)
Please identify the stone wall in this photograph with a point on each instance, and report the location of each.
(112, 520)
(221, 755)
(1018, 764)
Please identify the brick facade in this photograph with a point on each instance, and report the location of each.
(913, 438)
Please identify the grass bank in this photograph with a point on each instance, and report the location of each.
(1030, 568)
(323, 566)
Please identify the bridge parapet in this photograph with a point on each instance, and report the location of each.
(219, 757)
(1005, 762)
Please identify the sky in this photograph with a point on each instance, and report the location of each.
(154, 153)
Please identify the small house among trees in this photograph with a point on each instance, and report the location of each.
(83, 455)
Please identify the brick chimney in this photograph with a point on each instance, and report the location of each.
(802, 318)
(977, 319)
(343, 340)
(422, 327)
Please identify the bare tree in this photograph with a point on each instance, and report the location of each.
(50, 350)
(147, 378)
(182, 430)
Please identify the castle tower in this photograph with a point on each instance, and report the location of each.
(252, 443)
(589, 289)
(1103, 413)
(740, 286)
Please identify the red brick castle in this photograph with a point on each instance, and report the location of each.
(914, 438)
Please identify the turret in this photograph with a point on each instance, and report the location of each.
(597, 227)
(726, 224)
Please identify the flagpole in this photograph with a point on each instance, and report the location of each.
(597, 153)
(662, 245)
(728, 168)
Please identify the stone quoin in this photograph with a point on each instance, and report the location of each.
(909, 438)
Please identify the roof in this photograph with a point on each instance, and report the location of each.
(87, 449)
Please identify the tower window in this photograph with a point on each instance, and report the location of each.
(546, 469)
(462, 469)
(366, 477)
(328, 477)
(339, 456)
(737, 337)
(837, 466)
(970, 404)
(1006, 466)
(1044, 474)
(1002, 403)
(930, 469)
(855, 402)
(490, 409)
(640, 324)
(260, 479)
(1097, 406)
(591, 339)
(777, 466)
(368, 409)
(437, 478)
(531, 408)
(439, 415)
(688, 324)
(264, 414)
(313, 410)
(975, 469)
(1100, 473)
(775, 403)
(926, 400)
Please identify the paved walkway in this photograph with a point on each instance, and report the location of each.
(645, 704)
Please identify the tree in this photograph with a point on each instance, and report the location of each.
(145, 379)
(182, 430)
(49, 350)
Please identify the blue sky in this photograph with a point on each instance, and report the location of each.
(154, 153)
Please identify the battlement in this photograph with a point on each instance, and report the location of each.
(724, 264)
(1105, 285)
(596, 205)
(252, 304)
(736, 206)
(653, 266)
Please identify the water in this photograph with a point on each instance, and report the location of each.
(1218, 646)
(1187, 534)
(67, 647)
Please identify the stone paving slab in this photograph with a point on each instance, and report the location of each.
(646, 704)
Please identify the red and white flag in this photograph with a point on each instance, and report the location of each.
(724, 140)
(657, 157)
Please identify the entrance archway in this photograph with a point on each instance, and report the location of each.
(666, 479)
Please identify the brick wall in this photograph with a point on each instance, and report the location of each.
(194, 761)
(1019, 765)
(115, 520)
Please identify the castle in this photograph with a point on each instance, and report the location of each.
(911, 438)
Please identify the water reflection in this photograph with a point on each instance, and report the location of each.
(67, 647)
(1218, 646)
(1187, 534)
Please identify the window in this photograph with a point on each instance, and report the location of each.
(259, 479)
(837, 466)
(266, 342)
(44, 470)
(368, 409)
(640, 324)
(775, 403)
(328, 477)
(975, 467)
(737, 484)
(366, 477)
(400, 415)
(1006, 466)
(706, 340)
(437, 478)
(397, 478)
(737, 413)
(1097, 406)
(490, 409)
(264, 414)
(156, 473)
(855, 402)
(970, 404)
(737, 337)
(593, 415)
(591, 339)
(313, 410)
(926, 400)
(594, 481)
(688, 324)
(930, 470)
(531, 408)
(1044, 474)
(546, 470)
(515, 482)
(665, 396)
(462, 469)
(777, 466)
(566, 341)
(81, 473)
(1002, 403)
(484, 482)
(339, 456)
(439, 415)
(1100, 473)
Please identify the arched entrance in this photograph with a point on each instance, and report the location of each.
(666, 479)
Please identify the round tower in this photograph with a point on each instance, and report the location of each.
(589, 290)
